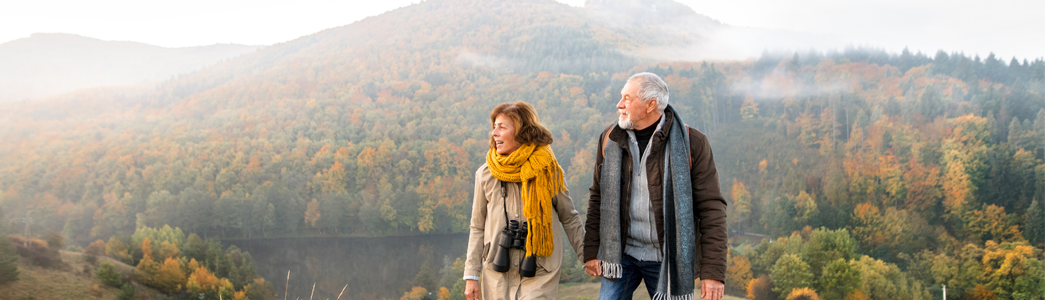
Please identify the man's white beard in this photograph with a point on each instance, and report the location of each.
(624, 123)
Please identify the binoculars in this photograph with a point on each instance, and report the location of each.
(513, 236)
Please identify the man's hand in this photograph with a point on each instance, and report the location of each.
(711, 289)
(592, 267)
(471, 289)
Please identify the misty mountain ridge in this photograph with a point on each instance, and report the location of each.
(655, 30)
(459, 36)
(619, 30)
(648, 11)
(46, 64)
(672, 31)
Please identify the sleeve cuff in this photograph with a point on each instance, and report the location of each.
(471, 277)
(714, 274)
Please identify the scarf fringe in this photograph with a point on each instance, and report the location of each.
(659, 296)
(611, 270)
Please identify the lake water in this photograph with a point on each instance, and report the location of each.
(373, 268)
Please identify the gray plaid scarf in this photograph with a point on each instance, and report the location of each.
(676, 269)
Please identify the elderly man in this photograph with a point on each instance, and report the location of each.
(655, 212)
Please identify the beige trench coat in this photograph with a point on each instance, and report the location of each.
(487, 223)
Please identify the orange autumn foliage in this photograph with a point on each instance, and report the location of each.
(416, 293)
(169, 278)
(760, 288)
(980, 293)
(738, 274)
(444, 294)
(203, 281)
(803, 294)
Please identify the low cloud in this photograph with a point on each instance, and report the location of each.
(769, 90)
(472, 59)
(739, 43)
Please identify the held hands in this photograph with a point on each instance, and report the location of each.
(711, 289)
(471, 289)
(592, 268)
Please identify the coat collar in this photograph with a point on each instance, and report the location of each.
(620, 136)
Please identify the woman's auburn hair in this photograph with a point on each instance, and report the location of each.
(528, 128)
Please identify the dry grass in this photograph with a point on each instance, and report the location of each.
(71, 283)
(590, 291)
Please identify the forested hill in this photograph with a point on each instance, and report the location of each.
(377, 127)
(47, 64)
(398, 101)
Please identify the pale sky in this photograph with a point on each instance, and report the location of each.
(1006, 27)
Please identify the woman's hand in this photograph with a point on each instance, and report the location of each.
(592, 267)
(471, 289)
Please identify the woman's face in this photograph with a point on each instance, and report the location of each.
(503, 135)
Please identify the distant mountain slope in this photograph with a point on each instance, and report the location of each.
(437, 40)
(394, 82)
(46, 64)
(671, 31)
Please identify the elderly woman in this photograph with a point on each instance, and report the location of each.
(520, 182)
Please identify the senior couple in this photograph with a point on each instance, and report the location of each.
(655, 213)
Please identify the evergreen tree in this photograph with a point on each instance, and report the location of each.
(126, 292)
(995, 69)
(194, 248)
(1015, 137)
(247, 271)
(1039, 128)
(214, 256)
(108, 274)
(906, 60)
(964, 69)
(458, 290)
(1034, 226)
(1015, 70)
(794, 64)
(995, 129)
(930, 104)
(942, 63)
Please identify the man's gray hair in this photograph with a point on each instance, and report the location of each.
(650, 87)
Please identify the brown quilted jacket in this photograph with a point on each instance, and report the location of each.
(710, 207)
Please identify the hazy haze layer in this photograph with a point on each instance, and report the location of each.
(47, 64)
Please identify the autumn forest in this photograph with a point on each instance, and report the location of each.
(876, 175)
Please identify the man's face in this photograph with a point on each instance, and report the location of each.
(631, 109)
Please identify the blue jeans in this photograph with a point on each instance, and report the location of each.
(634, 272)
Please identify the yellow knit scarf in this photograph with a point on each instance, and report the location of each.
(542, 178)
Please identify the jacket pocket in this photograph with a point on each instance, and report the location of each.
(548, 264)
